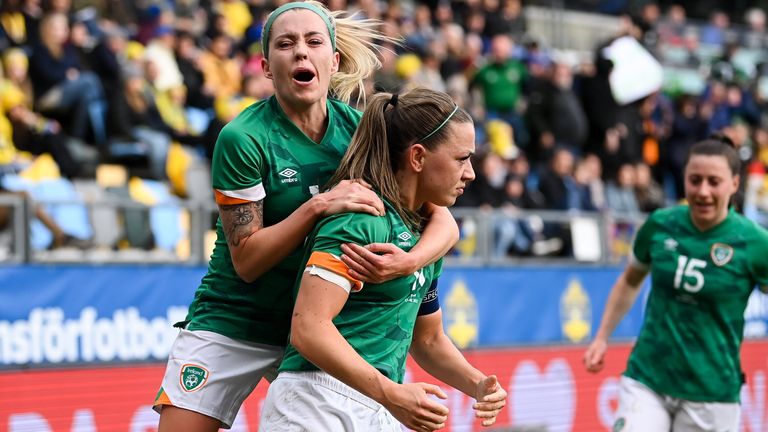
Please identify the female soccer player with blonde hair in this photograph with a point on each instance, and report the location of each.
(268, 166)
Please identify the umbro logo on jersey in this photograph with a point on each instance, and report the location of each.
(670, 244)
(288, 175)
(404, 238)
(721, 254)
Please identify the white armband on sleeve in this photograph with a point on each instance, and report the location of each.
(330, 276)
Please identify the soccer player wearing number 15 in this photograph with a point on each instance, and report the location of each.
(684, 373)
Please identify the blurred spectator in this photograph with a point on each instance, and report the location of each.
(57, 6)
(428, 75)
(423, 31)
(714, 32)
(755, 37)
(583, 187)
(237, 16)
(453, 61)
(648, 193)
(598, 103)
(724, 103)
(388, 79)
(505, 18)
(688, 127)
(34, 133)
(160, 52)
(487, 190)
(137, 118)
(650, 17)
(593, 178)
(620, 193)
(16, 68)
(672, 28)
(554, 181)
(62, 87)
(221, 72)
(656, 117)
(556, 116)
(14, 28)
(500, 83)
(188, 56)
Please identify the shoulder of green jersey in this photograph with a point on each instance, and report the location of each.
(254, 193)
(364, 227)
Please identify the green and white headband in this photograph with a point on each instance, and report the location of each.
(296, 5)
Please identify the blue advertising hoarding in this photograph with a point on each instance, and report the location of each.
(96, 314)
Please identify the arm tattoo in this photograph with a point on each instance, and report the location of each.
(241, 220)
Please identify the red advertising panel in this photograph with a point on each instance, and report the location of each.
(547, 387)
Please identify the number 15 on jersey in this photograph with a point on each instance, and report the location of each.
(689, 269)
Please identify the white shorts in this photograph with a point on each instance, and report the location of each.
(318, 402)
(212, 374)
(641, 410)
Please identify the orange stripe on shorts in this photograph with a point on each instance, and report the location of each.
(162, 398)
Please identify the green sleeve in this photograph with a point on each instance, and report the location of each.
(237, 163)
(358, 228)
(641, 249)
(438, 268)
(757, 258)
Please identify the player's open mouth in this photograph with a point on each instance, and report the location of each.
(303, 75)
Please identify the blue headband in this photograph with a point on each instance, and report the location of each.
(295, 5)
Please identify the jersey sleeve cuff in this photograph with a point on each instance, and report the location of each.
(334, 265)
(636, 263)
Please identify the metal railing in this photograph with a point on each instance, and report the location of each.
(587, 238)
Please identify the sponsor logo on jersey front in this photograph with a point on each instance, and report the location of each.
(288, 175)
(193, 377)
(721, 254)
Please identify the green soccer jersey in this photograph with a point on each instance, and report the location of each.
(378, 320)
(689, 344)
(259, 155)
(501, 84)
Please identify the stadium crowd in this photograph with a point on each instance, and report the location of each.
(105, 90)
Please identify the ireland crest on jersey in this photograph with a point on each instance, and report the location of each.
(721, 254)
(193, 377)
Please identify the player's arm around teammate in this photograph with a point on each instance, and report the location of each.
(368, 263)
(268, 165)
(256, 248)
